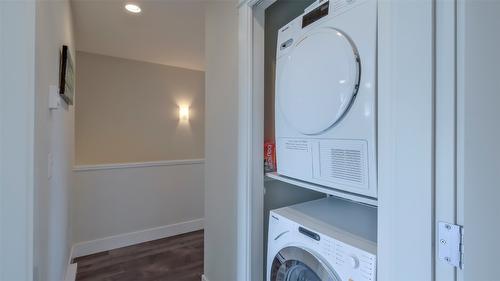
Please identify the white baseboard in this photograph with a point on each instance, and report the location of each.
(204, 278)
(71, 268)
(122, 240)
(71, 272)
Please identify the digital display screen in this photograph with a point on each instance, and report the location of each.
(315, 14)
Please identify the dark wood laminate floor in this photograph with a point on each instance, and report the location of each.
(178, 258)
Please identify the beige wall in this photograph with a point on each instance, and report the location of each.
(128, 111)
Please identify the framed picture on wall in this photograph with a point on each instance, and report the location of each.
(66, 76)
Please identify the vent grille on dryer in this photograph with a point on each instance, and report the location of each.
(347, 165)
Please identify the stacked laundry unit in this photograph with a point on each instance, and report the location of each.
(326, 140)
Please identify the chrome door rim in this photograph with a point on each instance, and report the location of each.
(291, 256)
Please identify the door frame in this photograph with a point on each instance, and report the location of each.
(405, 176)
(446, 140)
(250, 139)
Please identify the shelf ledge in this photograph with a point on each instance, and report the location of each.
(324, 189)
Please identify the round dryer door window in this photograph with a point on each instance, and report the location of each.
(296, 264)
(319, 80)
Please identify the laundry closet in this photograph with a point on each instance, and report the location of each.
(431, 60)
(320, 199)
(387, 152)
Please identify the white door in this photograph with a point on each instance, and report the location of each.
(468, 193)
(468, 133)
(479, 137)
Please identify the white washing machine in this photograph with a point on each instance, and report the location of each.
(324, 240)
(326, 96)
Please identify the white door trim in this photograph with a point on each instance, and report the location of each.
(244, 247)
(446, 124)
(460, 118)
(250, 140)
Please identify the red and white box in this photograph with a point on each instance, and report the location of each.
(269, 156)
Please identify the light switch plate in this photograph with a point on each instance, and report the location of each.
(54, 98)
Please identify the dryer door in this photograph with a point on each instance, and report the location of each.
(296, 264)
(318, 80)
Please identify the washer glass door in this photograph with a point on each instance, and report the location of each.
(297, 264)
(318, 80)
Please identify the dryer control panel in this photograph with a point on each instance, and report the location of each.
(316, 14)
(317, 11)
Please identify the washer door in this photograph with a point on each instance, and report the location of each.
(319, 80)
(296, 264)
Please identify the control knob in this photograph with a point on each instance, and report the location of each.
(354, 261)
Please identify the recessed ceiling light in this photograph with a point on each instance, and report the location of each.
(133, 8)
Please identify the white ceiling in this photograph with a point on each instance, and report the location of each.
(169, 32)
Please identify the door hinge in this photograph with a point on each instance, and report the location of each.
(451, 244)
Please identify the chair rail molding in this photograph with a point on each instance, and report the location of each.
(113, 166)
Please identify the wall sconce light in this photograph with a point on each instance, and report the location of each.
(184, 113)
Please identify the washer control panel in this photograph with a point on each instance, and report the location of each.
(353, 263)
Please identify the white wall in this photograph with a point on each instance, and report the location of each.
(54, 135)
(114, 201)
(221, 136)
(17, 95)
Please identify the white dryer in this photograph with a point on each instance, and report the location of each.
(326, 96)
(323, 240)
